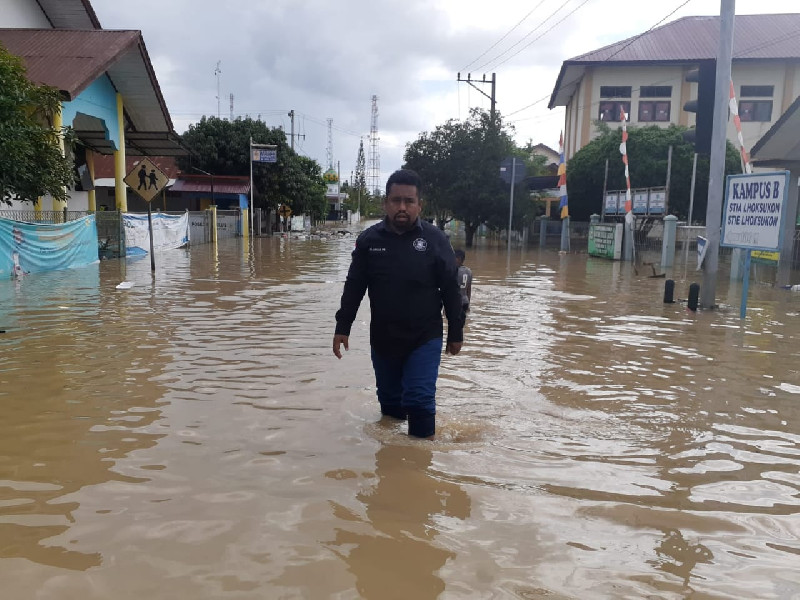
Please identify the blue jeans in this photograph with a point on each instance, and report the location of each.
(407, 386)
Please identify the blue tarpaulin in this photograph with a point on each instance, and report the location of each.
(47, 247)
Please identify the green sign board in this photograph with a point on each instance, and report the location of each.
(605, 240)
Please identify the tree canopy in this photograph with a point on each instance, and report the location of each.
(459, 163)
(648, 149)
(222, 147)
(32, 163)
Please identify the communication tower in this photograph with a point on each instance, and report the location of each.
(374, 155)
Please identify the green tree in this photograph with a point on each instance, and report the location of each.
(648, 149)
(223, 148)
(31, 161)
(459, 163)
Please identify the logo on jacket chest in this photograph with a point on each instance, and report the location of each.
(420, 244)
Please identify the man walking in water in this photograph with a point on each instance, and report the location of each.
(408, 267)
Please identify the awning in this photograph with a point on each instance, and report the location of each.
(138, 143)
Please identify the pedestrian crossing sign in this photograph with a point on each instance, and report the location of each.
(146, 179)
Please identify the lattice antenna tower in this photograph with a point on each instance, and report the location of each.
(217, 73)
(231, 108)
(374, 155)
(330, 143)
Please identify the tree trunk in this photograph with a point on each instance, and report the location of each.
(469, 232)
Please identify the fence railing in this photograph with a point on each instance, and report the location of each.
(43, 216)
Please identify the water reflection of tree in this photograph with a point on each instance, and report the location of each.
(679, 557)
(399, 559)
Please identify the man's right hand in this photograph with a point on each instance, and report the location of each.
(340, 340)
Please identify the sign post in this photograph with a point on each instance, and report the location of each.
(285, 212)
(147, 180)
(509, 174)
(755, 207)
(260, 153)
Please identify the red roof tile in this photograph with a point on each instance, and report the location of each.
(68, 60)
(223, 184)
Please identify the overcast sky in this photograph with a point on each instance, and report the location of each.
(327, 59)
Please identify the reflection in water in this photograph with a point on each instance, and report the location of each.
(65, 421)
(680, 557)
(397, 556)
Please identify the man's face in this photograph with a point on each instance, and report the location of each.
(402, 206)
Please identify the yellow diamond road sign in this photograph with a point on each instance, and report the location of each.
(146, 179)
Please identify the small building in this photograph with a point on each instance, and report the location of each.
(111, 97)
(552, 157)
(335, 198)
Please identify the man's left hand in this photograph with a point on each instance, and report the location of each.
(453, 348)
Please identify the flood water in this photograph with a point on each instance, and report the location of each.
(194, 437)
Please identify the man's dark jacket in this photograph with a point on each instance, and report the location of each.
(409, 276)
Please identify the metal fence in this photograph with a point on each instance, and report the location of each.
(110, 234)
(43, 216)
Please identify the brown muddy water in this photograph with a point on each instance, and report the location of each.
(194, 437)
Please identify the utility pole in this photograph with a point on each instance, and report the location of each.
(492, 82)
(716, 175)
(292, 135)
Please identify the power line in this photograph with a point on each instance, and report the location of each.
(493, 46)
(523, 38)
(636, 37)
(631, 41)
(544, 33)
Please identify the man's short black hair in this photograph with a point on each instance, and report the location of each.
(460, 254)
(404, 177)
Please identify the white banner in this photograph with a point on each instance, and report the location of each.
(169, 232)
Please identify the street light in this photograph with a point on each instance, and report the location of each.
(213, 200)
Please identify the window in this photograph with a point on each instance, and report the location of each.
(615, 91)
(757, 91)
(655, 91)
(610, 110)
(650, 111)
(755, 110)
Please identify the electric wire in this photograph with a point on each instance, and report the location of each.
(493, 46)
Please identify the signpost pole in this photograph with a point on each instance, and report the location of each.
(150, 228)
(745, 284)
(605, 183)
(691, 209)
(511, 205)
(251, 180)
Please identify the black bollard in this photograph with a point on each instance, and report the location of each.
(669, 291)
(694, 294)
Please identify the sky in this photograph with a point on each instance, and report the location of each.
(325, 60)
